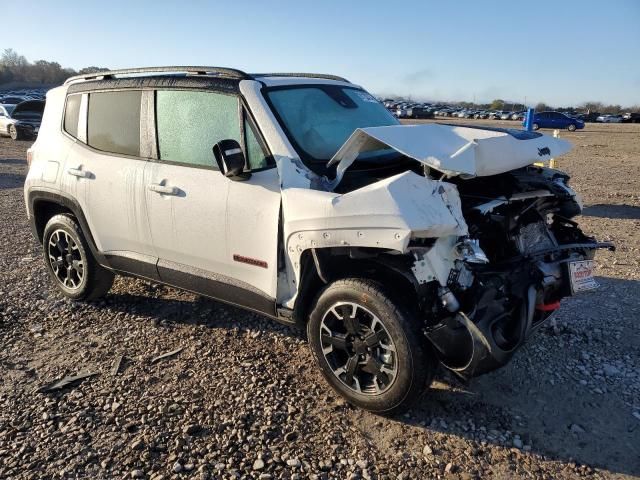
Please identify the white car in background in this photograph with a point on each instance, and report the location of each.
(398, 248)
(609, 119)
(5, 118)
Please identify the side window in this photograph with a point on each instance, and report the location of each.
(256, 156)
(113, 123)
(191, 123)
(72, 114)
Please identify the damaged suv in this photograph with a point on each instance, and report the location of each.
(298, 196)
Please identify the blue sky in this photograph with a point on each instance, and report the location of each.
(560, 52)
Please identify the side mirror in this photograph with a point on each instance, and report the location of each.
(231, 160)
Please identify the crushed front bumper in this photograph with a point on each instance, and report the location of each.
(486, 335)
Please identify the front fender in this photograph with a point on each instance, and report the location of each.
(386, 215)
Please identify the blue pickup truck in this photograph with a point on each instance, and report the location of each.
(556, 120)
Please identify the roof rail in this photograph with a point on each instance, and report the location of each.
(108, 74)
(303, 75)
(195, 70)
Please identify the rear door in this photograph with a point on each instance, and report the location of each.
(559, 120)
(211, 234)
(542, 119)
(104, 171)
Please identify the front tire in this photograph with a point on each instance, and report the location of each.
(571, 127)
(368, 348)
(70, 263)
(536, 126)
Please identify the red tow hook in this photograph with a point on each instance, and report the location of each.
(548, 307)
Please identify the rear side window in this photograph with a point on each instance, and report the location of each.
(72, 114)
(191, 123)
(113, 123)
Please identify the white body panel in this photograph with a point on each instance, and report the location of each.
(253, 209)
(385, 214)
(212, 218)
(451, 149)
(51, 147)
(113, 195)
(188, 228)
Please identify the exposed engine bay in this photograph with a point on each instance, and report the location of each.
(496, 299)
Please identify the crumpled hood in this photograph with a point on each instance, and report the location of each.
(451, 149)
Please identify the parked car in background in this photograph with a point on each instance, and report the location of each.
(506, 115)
(518, 115)
(12, 100)
(419, 112)
(631, 118)
(556, 120)
(5, 118)
(23, 120)
(609, 119)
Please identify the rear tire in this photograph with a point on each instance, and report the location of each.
(70, 263)
(535, 126)
(14, 133)
(368, 348)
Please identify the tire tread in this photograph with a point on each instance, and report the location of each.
(423, 366)
(99, 279)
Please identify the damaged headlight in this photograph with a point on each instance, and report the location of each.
(468, 250)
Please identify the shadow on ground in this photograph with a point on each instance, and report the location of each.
(545, 408)
(525, 399)
(11, 180)
(11, 161)
(626, 212)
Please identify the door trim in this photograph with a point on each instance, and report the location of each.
(218, 287)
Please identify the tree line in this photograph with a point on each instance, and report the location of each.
(16, 71)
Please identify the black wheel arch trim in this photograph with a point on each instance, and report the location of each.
(66, 201)
(319, 269)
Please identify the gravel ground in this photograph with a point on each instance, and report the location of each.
(243, 399)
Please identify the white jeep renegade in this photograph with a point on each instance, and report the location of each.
(398, 247)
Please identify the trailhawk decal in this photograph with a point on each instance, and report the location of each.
(250, 261)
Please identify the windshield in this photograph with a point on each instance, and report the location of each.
(9, 108)
(318, 119)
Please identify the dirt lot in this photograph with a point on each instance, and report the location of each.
(244, 400)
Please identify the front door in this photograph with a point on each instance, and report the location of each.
(212, 235)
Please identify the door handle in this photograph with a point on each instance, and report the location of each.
(156, 187)
(76, 172)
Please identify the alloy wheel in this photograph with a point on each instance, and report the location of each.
(358, 348)
(66, 259)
